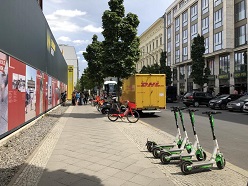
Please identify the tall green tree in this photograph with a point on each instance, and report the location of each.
(93, 56)
(164, 68)
(121, 44)
(199, 72)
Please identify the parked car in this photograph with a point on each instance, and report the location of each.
(245, 107)
(238, 104)
(197, 98)
(222, 100)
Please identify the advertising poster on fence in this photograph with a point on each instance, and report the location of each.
(3, 93)
(45, 92)
(39, 93)
(17, 93)
(49, 92)
(54, 84)
(30, 93)
(70, 82)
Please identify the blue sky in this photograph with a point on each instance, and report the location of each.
(74, 22)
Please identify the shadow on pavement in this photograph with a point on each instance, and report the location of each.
(60, 177)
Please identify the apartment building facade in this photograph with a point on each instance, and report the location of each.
(151, 44)
(223, 23)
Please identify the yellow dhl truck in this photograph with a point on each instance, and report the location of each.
(147, 91)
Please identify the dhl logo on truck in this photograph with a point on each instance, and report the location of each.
(151, 84)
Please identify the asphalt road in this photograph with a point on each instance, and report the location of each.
(231, 130)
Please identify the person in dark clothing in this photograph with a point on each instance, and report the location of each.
(63, 98)
(73, 100)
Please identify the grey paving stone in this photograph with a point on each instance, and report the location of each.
(134, 169)
(112, 181)
(161, 182)
(109, 171)
(69, 179)
(96, 167)
(86, 182)
(125, 175)
(142, 180)
(120, 165)
(152, 173)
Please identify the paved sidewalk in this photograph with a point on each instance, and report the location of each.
(86, 149)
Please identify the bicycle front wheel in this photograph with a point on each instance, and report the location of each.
(133, 116)
(112, 117)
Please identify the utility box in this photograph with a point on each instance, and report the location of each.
(147, 91)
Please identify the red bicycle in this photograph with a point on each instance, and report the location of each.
(130, 113)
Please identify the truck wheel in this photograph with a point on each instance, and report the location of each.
(133, 117)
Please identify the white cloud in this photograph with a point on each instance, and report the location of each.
(65, 14)
(79, 42)
(80, 52)
(64, 38)
(91, 28)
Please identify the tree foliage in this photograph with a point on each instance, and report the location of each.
(165, 69)
(93, 56)
(199, 72)
(159, 69)
(121, 44)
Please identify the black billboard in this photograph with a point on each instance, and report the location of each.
(25, 35)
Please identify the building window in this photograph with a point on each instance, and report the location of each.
(218, 41)
(161, 41)
(189, 70)
(240, 62)
(185, 36)
(185, 53)
(185, 18)
(206, 41)
(169, 47)
(210, 65)
(168, 60)
(152, 45)
(174, 73)
(205, 23)
(217, 2)
(169, 18)
(181, 72)
(218, 18)
(194, 31)
(177, 56)
(175, 9)
(194, 11)
(177, 23)
(181, 3)
(204, 6)
(240, 36)
(177, 40)
(224, 64)
(240, 12)
(169, 33)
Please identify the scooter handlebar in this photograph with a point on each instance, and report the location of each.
(211, 112)
(178, 108)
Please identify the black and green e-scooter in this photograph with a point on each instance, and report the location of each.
(175, 150)
(151, 145)
(197, 150)
(217, 157)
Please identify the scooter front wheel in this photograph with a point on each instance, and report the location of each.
(133, 117)
(112, 117)
(202, 157)
(221, 165)
(184, 168)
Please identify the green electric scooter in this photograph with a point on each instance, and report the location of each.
(197, 150)
(175, 150)
(217, 157)
(151, 145)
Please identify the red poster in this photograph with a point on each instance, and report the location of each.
(54, 84)
(45, 93)
(17, 95)
(39, 91)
